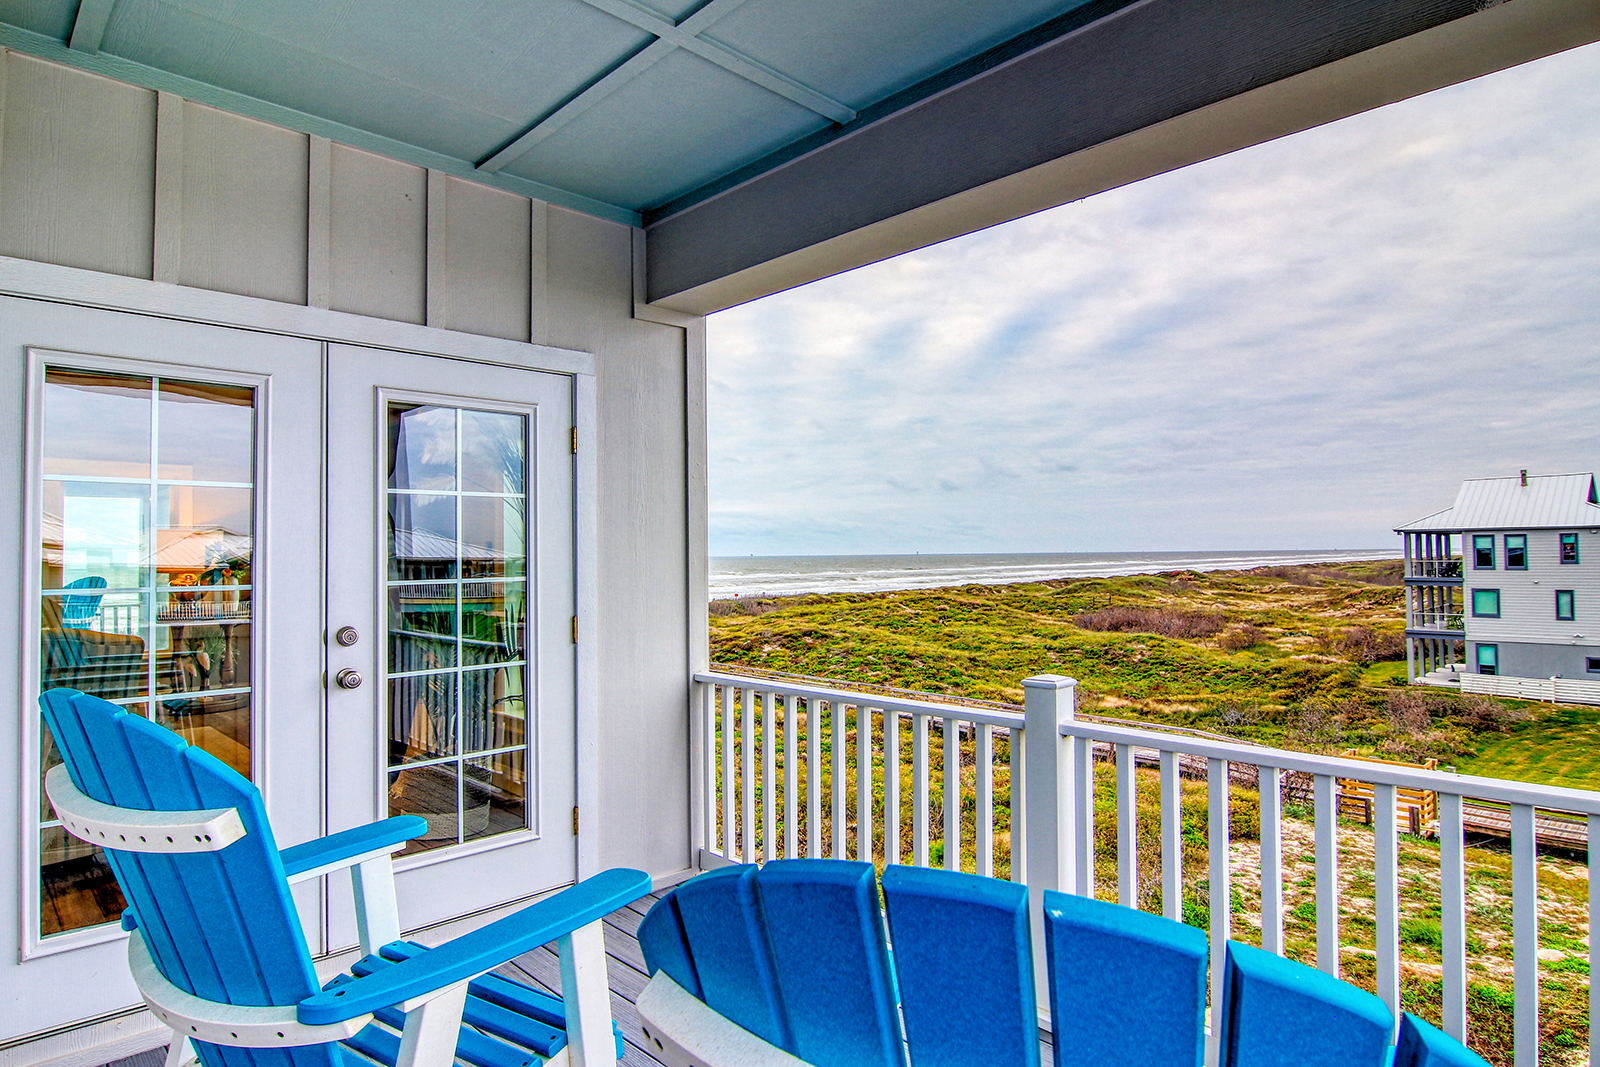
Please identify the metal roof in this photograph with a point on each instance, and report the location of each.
(746, 133)
(1543, 502)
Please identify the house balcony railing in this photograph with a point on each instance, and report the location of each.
(1436, 620)
(1435, 568)
(1024, 807)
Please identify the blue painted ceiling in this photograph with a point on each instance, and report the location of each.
(614, 106)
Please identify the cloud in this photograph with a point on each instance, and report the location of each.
(1300, 345)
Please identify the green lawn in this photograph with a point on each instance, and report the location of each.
(1558, 746)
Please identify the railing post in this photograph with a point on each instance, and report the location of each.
(1049, 700)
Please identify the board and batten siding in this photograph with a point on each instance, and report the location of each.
(113, 178)
(1528, 598)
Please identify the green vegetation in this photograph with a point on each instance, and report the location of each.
(1309, 658)
(1302, 657)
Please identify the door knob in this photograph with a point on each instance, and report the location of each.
(349, 678)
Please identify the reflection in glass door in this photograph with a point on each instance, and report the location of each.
(147, 530)
(459, 750)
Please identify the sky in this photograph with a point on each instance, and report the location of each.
(1300, 345)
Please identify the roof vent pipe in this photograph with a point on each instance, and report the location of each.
(1524, 477)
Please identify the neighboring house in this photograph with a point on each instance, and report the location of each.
(1521, 599)
(409, 299)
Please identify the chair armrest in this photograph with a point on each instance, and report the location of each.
(349, 847)
(480, 951)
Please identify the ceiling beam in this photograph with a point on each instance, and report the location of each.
(686, 36)
(669, 37)
(89, 27)
(1029, 136)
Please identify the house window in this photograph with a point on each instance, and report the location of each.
(1486, 603)
(1483, 552)
(1569, 548)
(147, 519)
(1516, 552)
(1489, 659)
(1592, 664)
(1564, 605)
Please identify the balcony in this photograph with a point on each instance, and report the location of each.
(1242, 840)
(1435, 569)
(1437, 621)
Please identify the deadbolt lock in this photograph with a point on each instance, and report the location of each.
(347, 636)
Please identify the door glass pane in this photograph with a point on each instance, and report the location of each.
(457, 659)
(145, 572)
(422, 536)
(422, 447)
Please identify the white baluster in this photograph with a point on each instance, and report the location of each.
(919, 790)
(1270, 789)
(983, 821)
(864, 783)
(1386, 893)
(1327, 831)
(952, 794)
(1525, 936)
(1171, 837)
(1127, 829)
(891, 786)
(1221, 894)
(1453, 916)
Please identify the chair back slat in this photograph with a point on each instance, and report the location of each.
(727, 933)
(1278, 1011)
(666, 946)
(220, 925)
(964, 960)
(832, 962)
(1116, 972)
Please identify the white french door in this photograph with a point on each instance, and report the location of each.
(216, 524)
(451, 680)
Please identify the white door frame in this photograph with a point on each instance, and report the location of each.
(91, 289)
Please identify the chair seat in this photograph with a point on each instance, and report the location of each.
(505, 1024)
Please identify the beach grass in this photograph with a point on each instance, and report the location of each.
(1291, 656)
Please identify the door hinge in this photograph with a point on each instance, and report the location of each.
(574, 440)
(574, 821)
(574, 629)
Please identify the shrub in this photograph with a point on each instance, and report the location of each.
(1163, 621)
(1241, 637)
(1485, 714)
(742, 605)
(1365, 645)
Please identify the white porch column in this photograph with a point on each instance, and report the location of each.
(1049, 813)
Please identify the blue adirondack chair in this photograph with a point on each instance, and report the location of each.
(217, 951)
(788, 964)
(79, 610)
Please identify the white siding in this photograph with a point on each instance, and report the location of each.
(1528, 598)
(259, 211)
(77, 168)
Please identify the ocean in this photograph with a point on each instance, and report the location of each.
(733, 576)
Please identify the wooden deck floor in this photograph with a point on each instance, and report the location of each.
(624, 967)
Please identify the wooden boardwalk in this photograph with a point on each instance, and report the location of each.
(624, 967)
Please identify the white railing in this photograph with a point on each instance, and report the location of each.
(1436, 568)
(1052, 785)
(814, 802)
(1437, 620)
(1548, 690)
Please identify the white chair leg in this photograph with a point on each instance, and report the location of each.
(432, 1030)
(587, 997)
(180, 1052)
